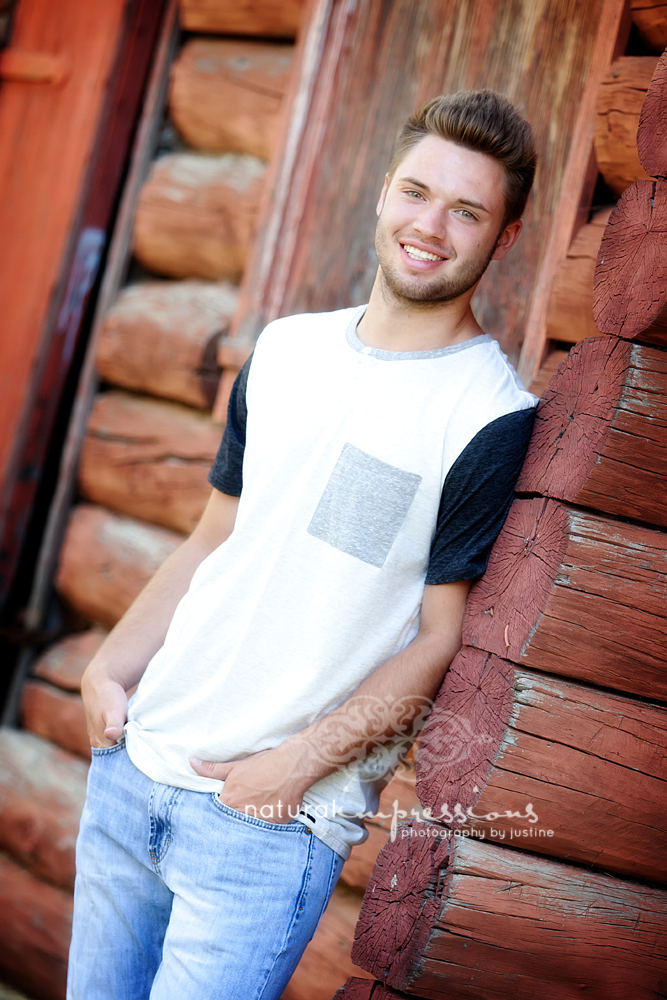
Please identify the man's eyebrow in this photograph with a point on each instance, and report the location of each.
(461, 201)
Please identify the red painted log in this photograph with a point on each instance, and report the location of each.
(196, 215)
(55, 715)
(365, 989)
(106, 560)
(226, 94)
(42, 791)
(575, 594)
(652, 131)
(650, 16)
(630, 298)
(537, 762)
(600, 434)
(619, 106)
(546, 372)
(570, 312)
(64, 662)
(149, 459)
(162, 338)
(35, 930)
(449, 917)
(265, 18)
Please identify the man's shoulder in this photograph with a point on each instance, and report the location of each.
(307, 325)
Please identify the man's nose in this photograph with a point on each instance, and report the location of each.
(432, 222)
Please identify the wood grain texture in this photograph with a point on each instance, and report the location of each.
(364, 989)
(467, 919)
(349, 97)
(600, 434)
(590, 765)
(35, 931)
(630, 298)
(577, 595)
(149, 459)
(225, 94)
(106, 560)
(546, 372)
(64, 662)
(42, 791)
(650, 16)
(196, 215)
(652, 131)
(55, 715)
(268, 18)
(620, 100)
(161, 338)
(570, 313)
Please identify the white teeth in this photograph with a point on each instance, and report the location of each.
(419, 254)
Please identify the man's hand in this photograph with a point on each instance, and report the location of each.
(269, 785)
(105, 705)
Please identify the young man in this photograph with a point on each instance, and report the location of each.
(287, 647)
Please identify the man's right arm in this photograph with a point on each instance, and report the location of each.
(122, 659)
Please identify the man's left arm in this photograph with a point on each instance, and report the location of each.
(386, 704)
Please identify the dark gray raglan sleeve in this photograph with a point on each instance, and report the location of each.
(226, 472)
(476, 497)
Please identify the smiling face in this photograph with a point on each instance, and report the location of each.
(441, 221)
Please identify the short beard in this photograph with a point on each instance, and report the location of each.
(443, 289)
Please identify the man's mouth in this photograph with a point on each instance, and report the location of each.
(417, 254)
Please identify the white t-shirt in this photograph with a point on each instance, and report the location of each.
(346, 453)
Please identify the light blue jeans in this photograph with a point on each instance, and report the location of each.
(179, 897)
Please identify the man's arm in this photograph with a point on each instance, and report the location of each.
(384, 705)
(121, 660)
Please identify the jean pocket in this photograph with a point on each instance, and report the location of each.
(292, 827)
(105, 751)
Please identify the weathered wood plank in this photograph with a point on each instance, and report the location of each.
(570, 313)
(600, 434)
(161, 338)
(35, 930)
(225, 94)
(620, 100)
(64, 662)
(652, 131)
(364, 989)
(196, 215)
(577, 595)
(106, 560)
(590, 764)
(457, 918)
(42, 791)
(55, 715)
(149, 459)
(650, 16)
(266, 18)
(630, 298)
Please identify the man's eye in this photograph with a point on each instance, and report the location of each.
(466, 214)
(414, 194)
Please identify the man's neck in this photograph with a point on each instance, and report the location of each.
(394, 324)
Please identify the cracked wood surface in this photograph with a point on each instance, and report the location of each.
(630, 298)
(590, 763)
(468, 919)
(619, 106)
(652, 131)
(365, 989)
(600, 434)
(148, 458)
(575, 594)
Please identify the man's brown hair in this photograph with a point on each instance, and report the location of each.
(487, 122)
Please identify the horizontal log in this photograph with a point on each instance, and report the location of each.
(450, 917)
(650, 16)
(149, 459)
(225, 94)
(42, 791)
(162, 337)
(64, 662)
(600, 434)
(546, 372)
(264, 18)
(106, 560)
(558, 767)
(630, 296)
(196, 215)
(576, 595)
(652, 131)
(55, 715)
(326, 962)
(570, 310)
(619, 106)
(35, 930)
(365, 989)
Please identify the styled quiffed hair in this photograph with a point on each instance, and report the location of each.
(487, 122)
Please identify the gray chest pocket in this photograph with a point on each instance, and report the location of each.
(363, 505)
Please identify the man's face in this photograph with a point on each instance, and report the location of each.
(440, 221)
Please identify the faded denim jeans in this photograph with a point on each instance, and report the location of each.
(179, 897)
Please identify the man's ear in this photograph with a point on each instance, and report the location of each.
(508, 238)
(383, 195)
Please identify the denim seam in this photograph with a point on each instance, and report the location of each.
(263, 824)
(106, 751)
